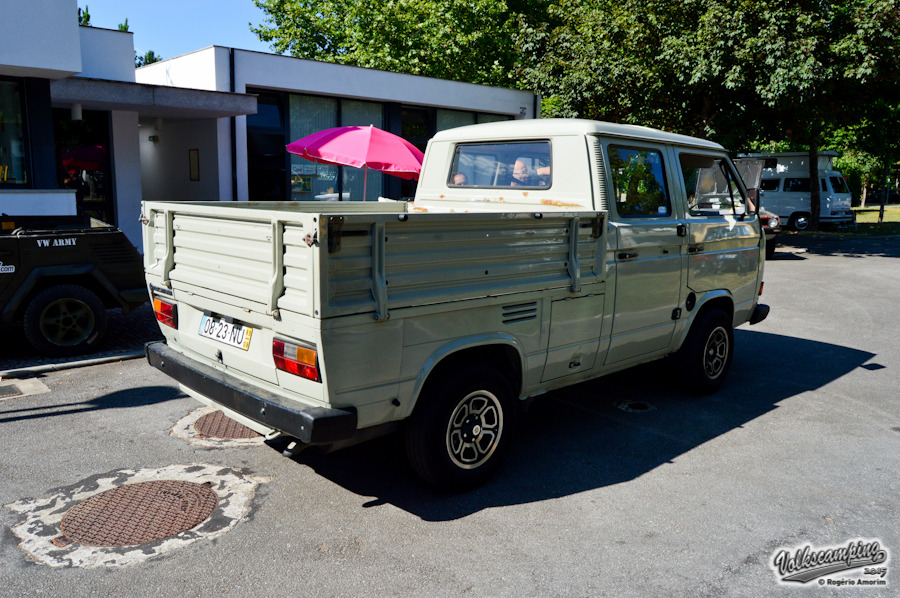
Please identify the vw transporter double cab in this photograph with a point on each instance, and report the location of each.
(537, 254)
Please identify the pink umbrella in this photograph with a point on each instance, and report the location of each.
(363, 147)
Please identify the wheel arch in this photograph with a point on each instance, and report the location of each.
(719, 299)
(500, 351)
(40, 279)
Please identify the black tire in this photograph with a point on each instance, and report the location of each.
(705, 358)
(66, 319)
(800, 220)
(770, 249)
(461, 429)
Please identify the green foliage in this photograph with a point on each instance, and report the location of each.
(148, 58)
(123, 26)
(465, 40)
(84, 17)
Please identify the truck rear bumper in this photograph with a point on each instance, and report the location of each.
(310, 425)
(760, 312)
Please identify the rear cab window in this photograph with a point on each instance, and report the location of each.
(769, 184)
(639, 182)
(712, 187)
(525, 164)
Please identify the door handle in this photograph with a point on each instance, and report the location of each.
(627, 256)
(695, 248)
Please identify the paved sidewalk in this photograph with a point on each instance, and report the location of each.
(125, 339)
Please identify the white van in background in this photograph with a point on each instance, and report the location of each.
(785, 189)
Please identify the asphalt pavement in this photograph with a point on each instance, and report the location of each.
(685, 496)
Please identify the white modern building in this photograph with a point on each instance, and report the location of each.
(82, 133)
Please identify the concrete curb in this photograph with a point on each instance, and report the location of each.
(54, 367)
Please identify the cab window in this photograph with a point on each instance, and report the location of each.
(838, 184)
(711, 186)
(768, 185)
(501, 164)
(639, 182)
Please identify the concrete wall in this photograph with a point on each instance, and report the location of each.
(165, 167)
(204, 69)
(257, 69)
(107, 54)
(126, 163)
(39, 38)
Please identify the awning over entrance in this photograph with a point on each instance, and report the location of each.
(149, 100)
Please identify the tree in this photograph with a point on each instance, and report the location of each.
(729, 70)
(464, 40)
(84, 17)
(123, 26)
(148, 58)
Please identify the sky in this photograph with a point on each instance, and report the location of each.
(174, 27)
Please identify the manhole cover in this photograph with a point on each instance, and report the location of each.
(218, 425)
(139, 513)
(9, 390)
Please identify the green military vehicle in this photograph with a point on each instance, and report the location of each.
(59, 276)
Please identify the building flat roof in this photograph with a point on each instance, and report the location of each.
(149, 100)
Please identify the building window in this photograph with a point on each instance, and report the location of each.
(13, 161)
(83, 161)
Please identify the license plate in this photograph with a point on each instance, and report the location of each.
(235, 335)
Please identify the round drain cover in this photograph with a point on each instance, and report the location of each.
(218, 425)
(139, 513)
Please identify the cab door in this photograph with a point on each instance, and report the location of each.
(723, 227)
(648, 255)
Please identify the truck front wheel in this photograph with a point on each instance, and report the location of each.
(65, 319)
(461, 429)
(705, 357)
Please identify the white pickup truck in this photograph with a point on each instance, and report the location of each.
(537, 254)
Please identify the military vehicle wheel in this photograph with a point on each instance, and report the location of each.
(461, 429)
(66, 319)
(705, 357)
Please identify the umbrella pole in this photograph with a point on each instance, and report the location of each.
(365, 181)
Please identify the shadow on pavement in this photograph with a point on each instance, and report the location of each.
(842, 246)
(132, 397)
(576, 439)
(125, 333)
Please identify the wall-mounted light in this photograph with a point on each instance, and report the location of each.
(76, 111)
(154, 138)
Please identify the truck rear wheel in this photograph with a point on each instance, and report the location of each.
(705, 357)
(66, 319)
(461, 429)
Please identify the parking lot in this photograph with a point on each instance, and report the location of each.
(622, 486)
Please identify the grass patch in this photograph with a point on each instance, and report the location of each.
(866, 224)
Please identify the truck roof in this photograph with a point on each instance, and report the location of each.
(549, 127)
(831, 153)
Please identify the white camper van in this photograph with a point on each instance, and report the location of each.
(785, 189)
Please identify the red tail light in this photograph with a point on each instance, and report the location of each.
(296, 359)
(165, 313)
